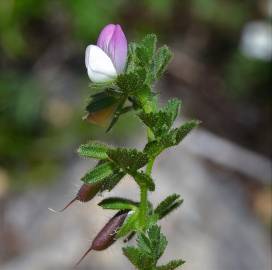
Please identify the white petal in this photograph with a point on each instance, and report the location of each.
(99, 65)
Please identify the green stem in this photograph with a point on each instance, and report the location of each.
(143, 215)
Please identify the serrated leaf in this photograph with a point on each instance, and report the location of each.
(153, 244)
(146, 49)
(153, 148)
(172, 108)
(129, 83)
(168, 205)
(93, 149)
(176, 135)
(129, 225)
(116, 203)
(143, 179)
(130, 159)
(139, 260)
(161, 60)
(159, 122)
(111, 181)
(99, 173)
(171, 265)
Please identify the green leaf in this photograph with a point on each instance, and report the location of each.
(172, 108)
(139, 260)
(129, 225)
(171, 265)
(176, 135)
(131, 62)
(143, 179)
(129, 83)
(111, 181)
(169, 204)
(154, 148)
(116, 203)
(99, 173)
(146, 49)
(93, 149)
(152, 244)
(100, 101)
(159, 122)
(129, 159)
(161, 60)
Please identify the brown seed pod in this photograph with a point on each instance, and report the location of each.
(85, 194)
(106, 237)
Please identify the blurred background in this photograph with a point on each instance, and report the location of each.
(222, 72)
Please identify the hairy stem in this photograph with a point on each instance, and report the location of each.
(143, 216)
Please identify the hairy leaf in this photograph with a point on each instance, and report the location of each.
(129, 224)
(116, 203)
(130, 159)
(171, 265)
(99, 173)
(168, 205)
(143, 179)
(161, 60)
(111, 181)
(93, 149)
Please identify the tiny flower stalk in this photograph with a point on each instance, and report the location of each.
(106, 237)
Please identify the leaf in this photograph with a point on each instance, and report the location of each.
(116, 203)
(176, 135)
(161, 60)
(154, 148)
(129, 159)
(171, 265)
(93, 149)
(172, 108)
(111, 181)
(143, 179)
(129, 225)
(139, 260)
(131, 82)
(153, 244)
(159, 122)
(169, 204)
(146, 49)
(99, 173)
(100, 101)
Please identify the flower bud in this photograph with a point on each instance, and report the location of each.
(106, 237)
(108, 58)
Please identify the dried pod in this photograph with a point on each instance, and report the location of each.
(106, 237)
(85, 194)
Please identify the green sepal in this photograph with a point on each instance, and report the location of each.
(168, 205)
(171, 265)
(94, 149)
(128, 159)
(99, 173)
(129, 225)
(116, 203)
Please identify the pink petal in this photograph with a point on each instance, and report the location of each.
(105, 37)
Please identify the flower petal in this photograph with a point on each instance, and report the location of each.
(105, 37)
(117, 49)
(99, 65)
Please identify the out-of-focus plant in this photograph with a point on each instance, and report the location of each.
(129, 87)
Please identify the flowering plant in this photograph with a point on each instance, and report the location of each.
(123, 77)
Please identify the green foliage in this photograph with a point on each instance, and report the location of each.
(94, 149)
(128, 159)
(171, 265)
(150, 247)
(116, 203)
(99, 173)
(168, 205)
(145, 65)
(144, 179)
(130, 224)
